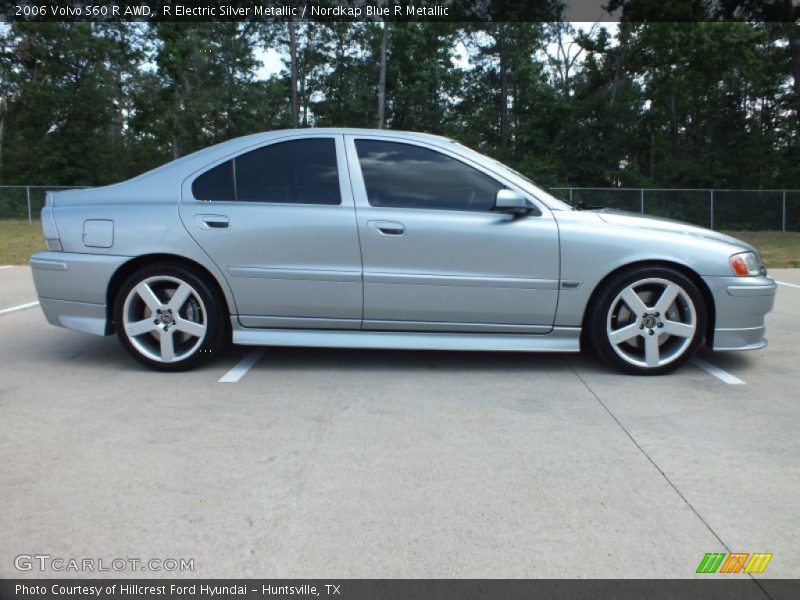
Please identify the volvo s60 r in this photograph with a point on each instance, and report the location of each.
(381, 239)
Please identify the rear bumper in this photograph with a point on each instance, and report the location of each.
(72, 288)
(79, 316)
(741, 303)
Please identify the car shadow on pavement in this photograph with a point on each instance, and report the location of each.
(80, 350)
(106, 353)
(731, 361)
(408, 360)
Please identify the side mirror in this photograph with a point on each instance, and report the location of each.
(512, 203)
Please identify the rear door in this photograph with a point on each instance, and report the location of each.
(279, 222)
(436, 257)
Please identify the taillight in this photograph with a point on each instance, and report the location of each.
(49, 229)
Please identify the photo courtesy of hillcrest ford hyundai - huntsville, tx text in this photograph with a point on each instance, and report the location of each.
(381, 239)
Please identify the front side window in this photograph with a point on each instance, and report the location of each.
(401, 175)
(294, 172)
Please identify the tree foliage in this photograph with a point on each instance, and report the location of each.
(706, 104)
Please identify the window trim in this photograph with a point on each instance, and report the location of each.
(359, 185)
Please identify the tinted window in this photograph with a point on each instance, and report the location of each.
(215, 184)
(300, 171)
(406, 176)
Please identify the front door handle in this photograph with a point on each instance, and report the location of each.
(387, 227)
(212, 221)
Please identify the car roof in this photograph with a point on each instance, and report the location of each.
(162, 181)
(190, 162)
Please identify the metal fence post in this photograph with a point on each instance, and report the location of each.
(711, 210)
(783, 213)
(641, 200)
(30, 216)
(570, 196)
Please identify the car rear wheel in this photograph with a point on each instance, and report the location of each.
(169, 318)
(648, 321)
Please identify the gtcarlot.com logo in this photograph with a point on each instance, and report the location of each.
(736, 562)
(47, 562)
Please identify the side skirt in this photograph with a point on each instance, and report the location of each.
(560, 339)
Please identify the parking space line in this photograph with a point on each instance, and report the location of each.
(6, 266)
(794, 285)
(20, 307)
(717, 372)
(242, 367)
(649, 458)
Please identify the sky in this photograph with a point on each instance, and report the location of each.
(273, 62)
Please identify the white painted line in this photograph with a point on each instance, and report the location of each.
(6, 266)
(242, 367)
(20, 307)
(794, 285)
(717, 372)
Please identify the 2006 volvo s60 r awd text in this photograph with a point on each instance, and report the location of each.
(376, 239)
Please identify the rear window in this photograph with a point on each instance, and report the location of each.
(297, 172)
(293, 172)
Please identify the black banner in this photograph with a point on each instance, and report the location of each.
(398, 10)
(739, 588)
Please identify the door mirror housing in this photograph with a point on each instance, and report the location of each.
(512, 203)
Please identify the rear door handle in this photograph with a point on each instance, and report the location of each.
(212, 221)
(387, 227)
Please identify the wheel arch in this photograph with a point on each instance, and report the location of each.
(126, 269)
(708, 297)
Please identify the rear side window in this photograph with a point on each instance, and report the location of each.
(215, 184)
(402, 175)
(294, 172)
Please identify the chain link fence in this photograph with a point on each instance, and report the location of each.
(26, 201)
(732, 210)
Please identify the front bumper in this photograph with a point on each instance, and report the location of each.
(741, 303)
(72, 288)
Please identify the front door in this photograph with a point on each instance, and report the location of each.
(279, 223)
(435, 256)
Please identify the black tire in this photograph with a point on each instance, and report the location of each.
(201, 309)
(632, 355)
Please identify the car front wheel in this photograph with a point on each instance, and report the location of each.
(649, 320)
(169, 318)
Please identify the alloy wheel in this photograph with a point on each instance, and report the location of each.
(164, 318)
(651, 323)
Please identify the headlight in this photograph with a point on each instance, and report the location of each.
(745, 264)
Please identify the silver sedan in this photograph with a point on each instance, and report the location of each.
(381, 239)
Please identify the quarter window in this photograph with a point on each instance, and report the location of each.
(405, 176)
(215, 184)
(294, 172)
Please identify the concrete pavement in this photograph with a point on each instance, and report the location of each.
(332, 463)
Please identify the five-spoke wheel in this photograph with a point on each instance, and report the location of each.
(168, 317)
(648, 320)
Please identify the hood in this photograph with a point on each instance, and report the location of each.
(640, 221)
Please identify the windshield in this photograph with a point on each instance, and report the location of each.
(546, 197)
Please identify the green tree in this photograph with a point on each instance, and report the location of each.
(347, 86)
(203, 89)
(507, 104)
(64, 96)
(420, 78)
(710, 91)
